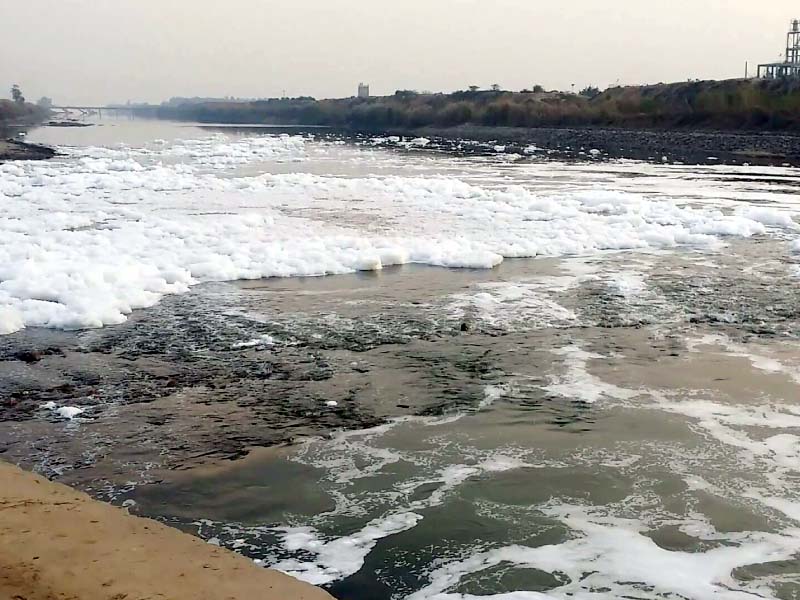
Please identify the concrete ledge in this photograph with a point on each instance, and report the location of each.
(59, 544)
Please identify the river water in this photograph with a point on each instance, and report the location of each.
(520, 378)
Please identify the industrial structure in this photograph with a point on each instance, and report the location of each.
(790, 67)
(363, 90)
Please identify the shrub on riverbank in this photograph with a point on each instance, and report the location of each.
(731, 104)
(21, 113)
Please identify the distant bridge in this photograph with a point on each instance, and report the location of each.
(117, 111)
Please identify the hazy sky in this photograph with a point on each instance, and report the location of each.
(97, 51)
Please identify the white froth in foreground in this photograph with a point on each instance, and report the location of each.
(613, 555)
(343, 556)
(86, 240)
(748, 456)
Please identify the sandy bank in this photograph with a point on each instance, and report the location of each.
(59, 544)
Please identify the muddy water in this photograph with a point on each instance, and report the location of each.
(618, 428)
(619, 424)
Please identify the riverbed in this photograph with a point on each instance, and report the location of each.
(404, 373)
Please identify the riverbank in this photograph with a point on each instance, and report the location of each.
(678, 145)
(58, 543)
(17, 150)
(559, 143)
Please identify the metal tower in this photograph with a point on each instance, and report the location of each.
(790, 67)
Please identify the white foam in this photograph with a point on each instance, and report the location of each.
(492, 393)
(419, 141)
(341, 557)
(86, 240)
(221, 151)
(65, 412)
(761, 362)
(628, 284)
(262, 340)
(771, 217)
(747, 428)
(578, 384)
(11, 320)
(69, 412)
(613, 555)
(511, 305)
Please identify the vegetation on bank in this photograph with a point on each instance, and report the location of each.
(730, 104)
(18, 111)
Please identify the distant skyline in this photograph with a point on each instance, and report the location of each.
(101, 51)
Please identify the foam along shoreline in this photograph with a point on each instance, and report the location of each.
(56, 542)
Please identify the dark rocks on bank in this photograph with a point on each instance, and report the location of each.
(16, 150)
(31, 356)
(68, 124)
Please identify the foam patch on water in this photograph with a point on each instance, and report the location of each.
(353, 455)
(86, 240)
(220, 151)
(629, 284)
(511, 305)
(761, 362)
(771, 217)
(69, 412)
(260, 341)
(611, 557)
(492, 393)
(340, 557)
(577, 383)
(215, 151)
(614, 556)
(65, 412)
(751, 430)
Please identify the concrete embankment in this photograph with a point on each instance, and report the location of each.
(59, 544)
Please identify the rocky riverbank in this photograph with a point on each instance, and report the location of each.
(18, 150)
(584, 143)
(668, 145)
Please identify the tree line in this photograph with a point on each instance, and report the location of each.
(18, 111)
(773, 104)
